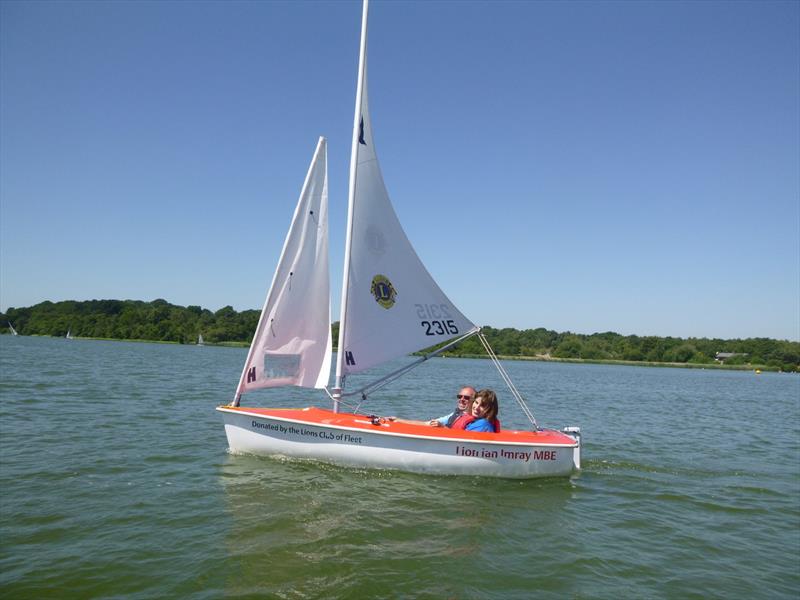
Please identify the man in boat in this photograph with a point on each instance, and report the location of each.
(464, 399)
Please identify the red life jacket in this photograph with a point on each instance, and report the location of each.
(462, 421)
(453, 417)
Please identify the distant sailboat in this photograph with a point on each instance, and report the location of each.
(200, 341)
(69, 334)
(13, 331)
(391, 306)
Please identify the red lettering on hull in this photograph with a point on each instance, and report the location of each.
(544, 455)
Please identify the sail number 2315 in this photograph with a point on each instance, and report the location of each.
(435, 319)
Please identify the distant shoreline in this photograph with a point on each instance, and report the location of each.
(161, 321)
(139, 341)
(629, 363)
(624, 363)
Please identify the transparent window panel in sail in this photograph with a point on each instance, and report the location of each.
(281, 368)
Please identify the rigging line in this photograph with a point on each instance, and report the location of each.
(375, 386)
(346, 404)
(363, 399)
(507, 379)
(379, 383)
(512, 387)
(514, 391)
(510, 384)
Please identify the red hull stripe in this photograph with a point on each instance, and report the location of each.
(326, 418)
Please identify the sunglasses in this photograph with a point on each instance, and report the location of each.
(460, 397)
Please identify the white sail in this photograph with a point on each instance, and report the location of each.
(200, 341)
(392, 306)
(292, 343)
(13, 331)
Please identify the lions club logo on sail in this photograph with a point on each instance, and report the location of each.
(383, 291)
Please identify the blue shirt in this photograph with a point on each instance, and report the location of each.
(443, 420)
(480, 425)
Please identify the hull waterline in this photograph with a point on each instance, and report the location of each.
(359, 441)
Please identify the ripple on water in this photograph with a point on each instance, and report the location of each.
(117, 484)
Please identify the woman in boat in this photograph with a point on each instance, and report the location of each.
(482, 414)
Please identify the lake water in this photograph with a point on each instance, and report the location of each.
(115, 482)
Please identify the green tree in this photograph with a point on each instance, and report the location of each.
(570, 347)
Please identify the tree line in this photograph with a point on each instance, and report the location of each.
(544, 343)
(157, 321)
(161, 321)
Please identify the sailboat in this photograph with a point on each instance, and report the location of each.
(13, 331)
(391, 306)
(69, 334)
(200, 341)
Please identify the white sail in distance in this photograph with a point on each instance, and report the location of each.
(292, 343)
(393, 306)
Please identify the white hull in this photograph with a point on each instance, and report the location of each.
(251, 433)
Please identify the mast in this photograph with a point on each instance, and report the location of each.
(362, 67)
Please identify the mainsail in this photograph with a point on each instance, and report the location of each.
(391, 304)
(292, 343)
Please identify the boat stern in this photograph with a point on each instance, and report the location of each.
(575, 433)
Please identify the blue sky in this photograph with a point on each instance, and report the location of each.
(582, 166)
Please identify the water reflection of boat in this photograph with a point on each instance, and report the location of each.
(299, 515)
(391, 306)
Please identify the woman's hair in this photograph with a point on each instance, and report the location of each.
(490, 401)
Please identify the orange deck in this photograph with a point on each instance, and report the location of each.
(319, 416)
